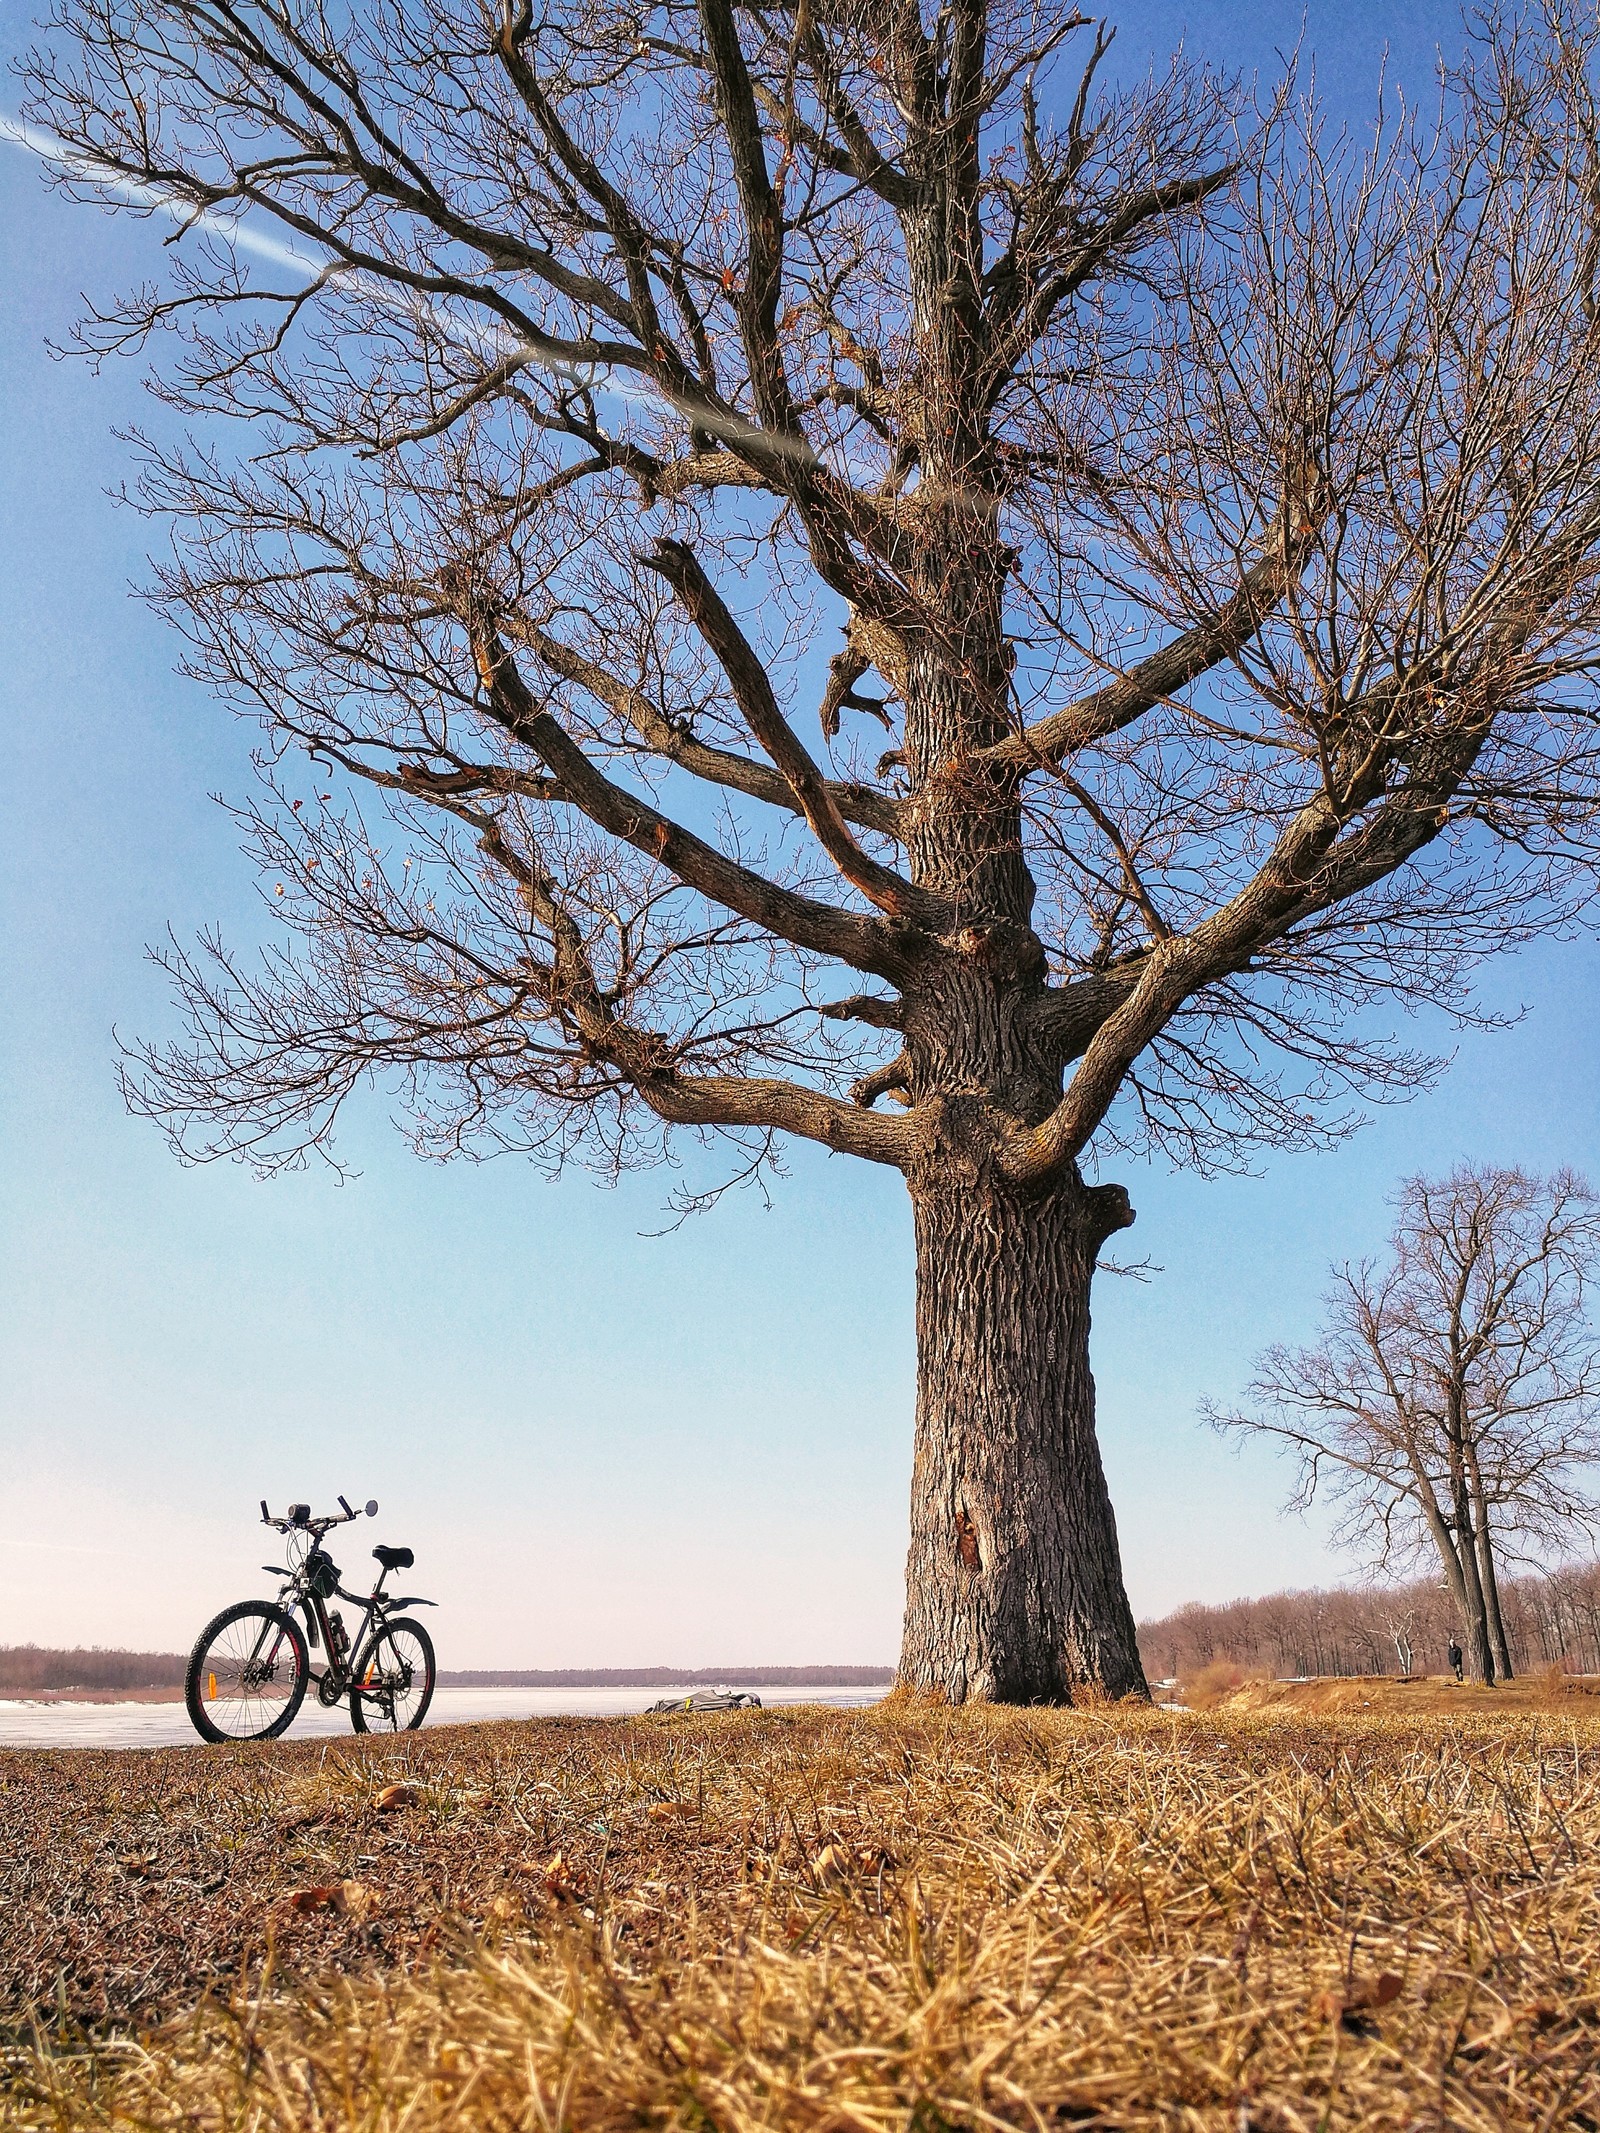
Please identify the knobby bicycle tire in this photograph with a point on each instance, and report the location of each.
(360, 1698)
(199, 1685)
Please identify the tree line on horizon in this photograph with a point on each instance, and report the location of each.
(30, 1669)
(1551, 1619)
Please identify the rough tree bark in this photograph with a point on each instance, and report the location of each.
(1475, 1612)
(1014, 1589)
(1464, 1537)
(1487, 1574)
(1490, 1580)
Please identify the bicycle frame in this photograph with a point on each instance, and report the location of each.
(344, 1672)
(350, 1670)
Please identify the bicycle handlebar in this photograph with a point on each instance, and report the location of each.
(316, 1527)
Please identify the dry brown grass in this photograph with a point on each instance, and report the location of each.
(1215, 1683)
(1548, 1688)
(1267, 1920)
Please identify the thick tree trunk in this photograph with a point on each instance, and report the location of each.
(1014, 1581)
(1491, 1599)
(1014, 1589)
(1475, 1612)
(1480, 1650)
(1486, 1570)
(1460, 1568)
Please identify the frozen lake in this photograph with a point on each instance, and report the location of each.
(166, 1725)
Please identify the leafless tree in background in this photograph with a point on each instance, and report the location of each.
(1402, 1620)
(1182, 524)
(1454, 1397)
(1551, 1617)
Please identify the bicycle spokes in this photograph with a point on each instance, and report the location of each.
(247, 1674)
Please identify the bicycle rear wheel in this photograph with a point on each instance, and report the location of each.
(396, 1685)
(247, 1673)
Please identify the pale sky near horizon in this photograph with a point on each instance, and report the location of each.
(605, 1447)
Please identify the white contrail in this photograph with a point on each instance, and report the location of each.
(234, 230)
(484, 338)
(230, 228)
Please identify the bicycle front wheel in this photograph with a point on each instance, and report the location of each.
(396, 1685)
(247, 1673)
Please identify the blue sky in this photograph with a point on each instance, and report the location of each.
(604, 1446)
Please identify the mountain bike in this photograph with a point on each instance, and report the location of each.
(250, 1668)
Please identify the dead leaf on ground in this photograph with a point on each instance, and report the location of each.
(837, 1863)
(1358, 2000)
(353, 1898)
(671, 1811)
(321, 1898)
(566, 1884)
(393, 1796)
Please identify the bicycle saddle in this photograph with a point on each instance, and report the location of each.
(393, 1558)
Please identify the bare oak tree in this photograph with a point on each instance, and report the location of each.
(1185, 524)
(1453, 1401)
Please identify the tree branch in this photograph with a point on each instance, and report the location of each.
(1156, 679)
(714, 1100)
(869, 1007)
(762, 294)
(865, 943)
(753, 693)
(716, 766)
(1017, 323)
(644, 1059)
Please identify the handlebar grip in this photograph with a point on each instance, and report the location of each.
(266, 1515)
(345, 1508)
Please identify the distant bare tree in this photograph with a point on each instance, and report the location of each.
(1204, 510)
(1454, 1397)
(1401, 1616)
(1551, 1616)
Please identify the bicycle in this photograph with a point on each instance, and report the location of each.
(250, 1668)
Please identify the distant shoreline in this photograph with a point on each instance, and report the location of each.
(31, 1675)
(44, 1698)
(667, 1677)
(134, 1695)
